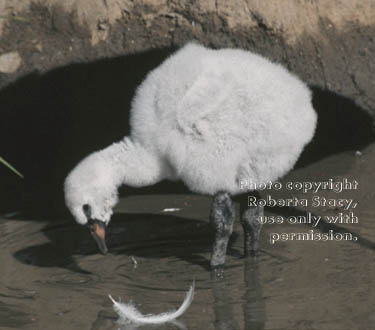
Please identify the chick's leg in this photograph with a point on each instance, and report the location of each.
(221, 218)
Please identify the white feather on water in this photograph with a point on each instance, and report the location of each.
(172, 209)
(128, 313)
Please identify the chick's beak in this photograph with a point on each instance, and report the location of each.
(97, 230)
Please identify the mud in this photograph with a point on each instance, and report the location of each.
(327, 45)
(53, 275)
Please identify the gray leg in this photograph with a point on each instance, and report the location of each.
(221, 218)
(251, 226)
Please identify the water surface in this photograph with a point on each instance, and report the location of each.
(52, 276)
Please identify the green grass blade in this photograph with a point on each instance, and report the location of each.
(2, 160)
(15, 18)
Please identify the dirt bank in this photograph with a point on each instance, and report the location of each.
(330, 44)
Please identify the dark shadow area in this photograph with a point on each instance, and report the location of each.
(51, 121)
(139, 235)
(146, 235)
(342, 126)
(253, 306)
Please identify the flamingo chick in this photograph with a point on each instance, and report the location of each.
(210, 118)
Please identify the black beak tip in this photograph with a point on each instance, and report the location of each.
(103, 249)
(97, 230)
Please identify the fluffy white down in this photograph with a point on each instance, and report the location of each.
(207, 117)
(219, 116)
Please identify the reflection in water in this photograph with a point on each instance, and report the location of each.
(253, 307)
(253, 302)
(176, 324)
(106, 320)
(223, 306)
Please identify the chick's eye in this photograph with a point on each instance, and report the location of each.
(87, 210)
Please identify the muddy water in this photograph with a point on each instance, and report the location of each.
(52, 277)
